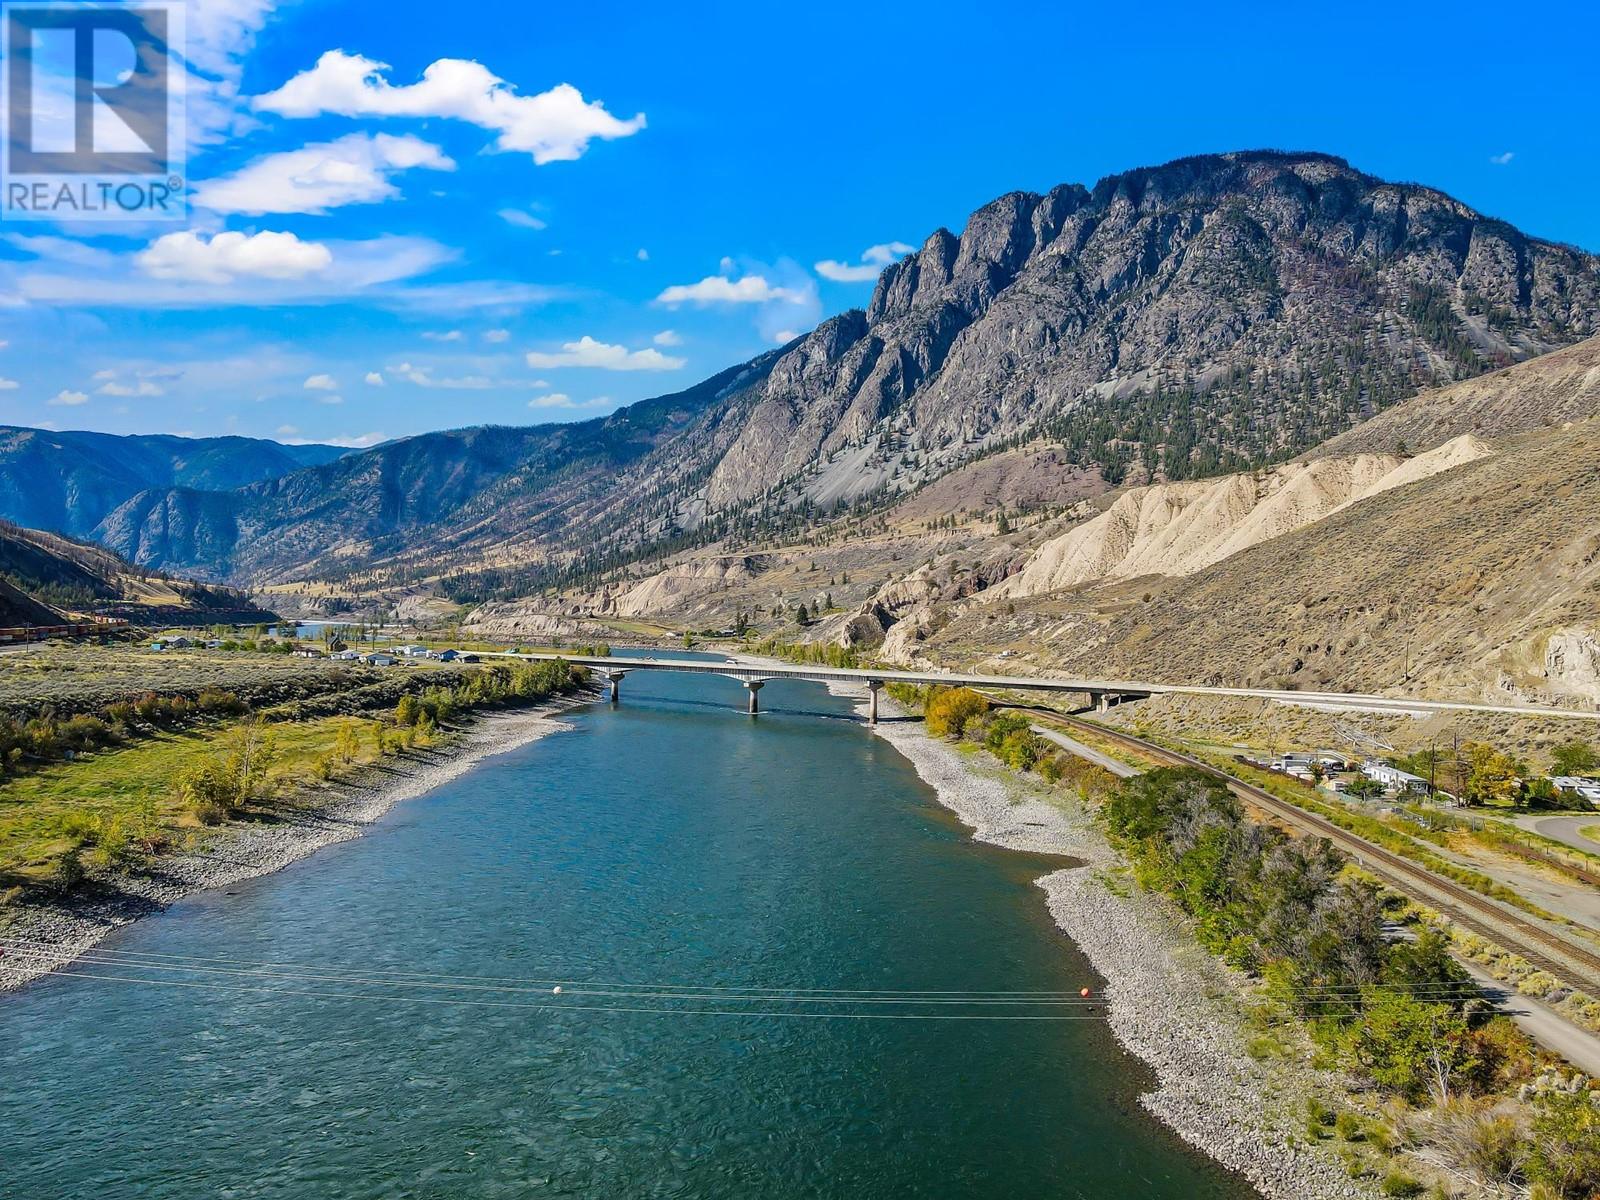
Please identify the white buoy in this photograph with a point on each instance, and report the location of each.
(556, 990)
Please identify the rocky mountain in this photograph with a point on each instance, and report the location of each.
(1469, 570)
(70, 481)
(1169, 323)
(1182, 318)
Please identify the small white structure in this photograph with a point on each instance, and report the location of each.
(346, 656)
(1393, 778)
(412, 651)
(380, 660)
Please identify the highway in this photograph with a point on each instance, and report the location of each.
(1102, 690)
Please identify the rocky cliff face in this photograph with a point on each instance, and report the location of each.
(1258, 302)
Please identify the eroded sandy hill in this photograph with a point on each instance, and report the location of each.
(1179, 529)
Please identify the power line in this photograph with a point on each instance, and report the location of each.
(42, 954)
(554, 1006)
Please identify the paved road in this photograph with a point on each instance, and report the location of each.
(1116, 766)
(1542, 1023)
(1566, 829)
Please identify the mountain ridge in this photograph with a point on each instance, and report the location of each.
(1171, 322)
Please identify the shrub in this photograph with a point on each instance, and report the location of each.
(948, 710)
(68, 871)
(1399, 1183)
(1565, 1156)
(1349, 1126)
(408, 711)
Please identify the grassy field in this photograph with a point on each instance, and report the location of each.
(48, 813)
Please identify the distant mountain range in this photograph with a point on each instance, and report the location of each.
(69, 482)
(1173, 322)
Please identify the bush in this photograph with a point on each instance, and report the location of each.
(1349, 1126)
(1399, 1183)
(68, 871)
(1566, 1144)
(948, 710)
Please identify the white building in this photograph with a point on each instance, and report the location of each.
(1393, 778)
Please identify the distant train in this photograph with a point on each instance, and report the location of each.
(38, 633)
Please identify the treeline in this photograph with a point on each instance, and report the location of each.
(817, 653)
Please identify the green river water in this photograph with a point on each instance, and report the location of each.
(671, 841)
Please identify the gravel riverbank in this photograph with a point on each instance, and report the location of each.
(1168, 1002)
(246, 850)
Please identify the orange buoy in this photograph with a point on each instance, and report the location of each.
(1084, 993)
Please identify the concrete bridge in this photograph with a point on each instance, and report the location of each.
(1101, 693)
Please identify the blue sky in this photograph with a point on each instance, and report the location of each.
(579, 207)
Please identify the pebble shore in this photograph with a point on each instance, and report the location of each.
(1168, 1002)
(242, 851)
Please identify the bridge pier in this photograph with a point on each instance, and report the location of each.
(754, 686)
(1102, 700)
(874, 686)
(615, 679)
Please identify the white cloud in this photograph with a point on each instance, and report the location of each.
(521, 219)
(8, 385)
(358, 442)
(844, 273)
(355, 169)
(552, 126)
(496, 336)
(719, 289)
(424, 377)
(266, 255)
(586, 352)
(330, 401)
(873, 260)
(553, 400)
(784, 336)
(66, 399)
(287, 430)
(1502, 159)
(886, 252)
(143, 388)
(102, 375)
(643, 255)
(184, 270)
(667, 337)
(321, 383)
(375, 378)
(448, 335)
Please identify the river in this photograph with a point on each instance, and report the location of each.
(671, 841)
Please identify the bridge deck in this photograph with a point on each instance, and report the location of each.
(1030, 683)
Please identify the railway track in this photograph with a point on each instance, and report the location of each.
(1572, 964)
